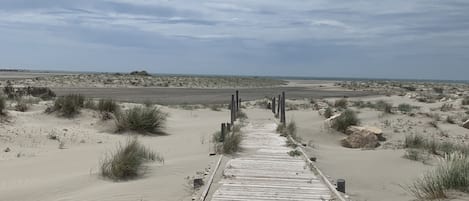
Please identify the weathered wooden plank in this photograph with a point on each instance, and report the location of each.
(267, 173)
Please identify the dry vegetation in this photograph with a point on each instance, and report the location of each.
(144, 120)
(145, 80)
(127, 162)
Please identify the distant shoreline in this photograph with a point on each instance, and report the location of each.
(249, 76)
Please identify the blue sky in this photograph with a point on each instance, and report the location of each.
(426, 39)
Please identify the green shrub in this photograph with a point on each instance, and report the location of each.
(452, 173)
(128, 160)
(107, 105)
(3, 105)
(143, 120)
(69, 105)
(328, 113)
(341, 103)
(346, 119)
(404, 107)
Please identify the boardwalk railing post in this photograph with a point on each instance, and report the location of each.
(279, 105)
(223, 132)
(283, 109)
(228, 127)
(341, 185)
(237, 101)
(273, 105)
(232, 109)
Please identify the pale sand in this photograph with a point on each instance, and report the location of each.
(45, 172)
(372, 175)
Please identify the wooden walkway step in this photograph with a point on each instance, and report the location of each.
(265, 172)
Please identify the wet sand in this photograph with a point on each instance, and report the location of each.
(175, 96)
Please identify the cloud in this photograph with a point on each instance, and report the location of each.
(256, 34)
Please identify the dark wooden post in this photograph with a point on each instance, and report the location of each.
(239, 104)
(237, 101)
(233, 107)
(223, 132)
(279, 106)
(273, 105)
(283, 109)
(341, 185)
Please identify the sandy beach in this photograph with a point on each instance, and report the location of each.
(55, 158)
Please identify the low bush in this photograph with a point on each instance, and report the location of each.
(341, 103)
(328, 113)
(69, 105)
(346, 119)
(404, 107)
(107, 105)
(143, 120)
(232, 142)
(384, 106)
(128, 160)
(414, 141)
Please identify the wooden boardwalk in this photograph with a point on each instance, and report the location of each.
(265, 172)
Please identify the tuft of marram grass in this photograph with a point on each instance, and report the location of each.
(127, 161)
(452, 173)
(433, 146)
(231, 143)
(107, 105)
(69, 105)
(144, 120)
(346, 119)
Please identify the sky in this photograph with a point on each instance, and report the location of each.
(422, 39)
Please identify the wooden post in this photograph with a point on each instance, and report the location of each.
(273, 105)
(239, 104)
(223, 132)
(237, 101)
(232, 109)
(341, 185)
(279, 106)
(283, 109)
